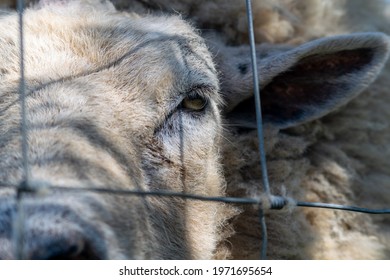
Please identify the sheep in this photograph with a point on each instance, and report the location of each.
(136, 104)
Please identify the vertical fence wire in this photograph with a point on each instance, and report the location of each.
(18, 222)
(259, 122)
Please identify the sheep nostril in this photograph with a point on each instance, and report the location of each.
(69, 241)
(74, 252)
(64, 248)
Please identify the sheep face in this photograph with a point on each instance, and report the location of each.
(118, 102)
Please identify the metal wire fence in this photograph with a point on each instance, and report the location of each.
(264, 202)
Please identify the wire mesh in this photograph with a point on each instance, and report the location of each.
(265, 202)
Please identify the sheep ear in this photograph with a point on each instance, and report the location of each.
(302, 83)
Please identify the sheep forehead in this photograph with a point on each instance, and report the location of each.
(167, 45)
(155, 52)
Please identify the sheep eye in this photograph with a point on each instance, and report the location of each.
(194, 102)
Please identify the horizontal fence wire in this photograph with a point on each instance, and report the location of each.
(276, 202)
(265, 202)
(342, 207)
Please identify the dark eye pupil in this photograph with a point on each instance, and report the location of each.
(194, 103)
